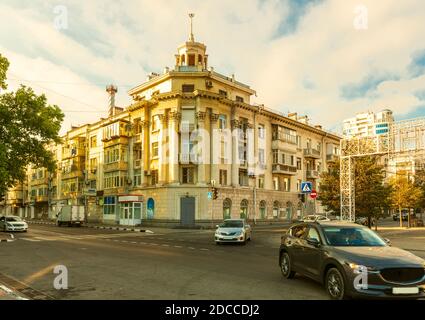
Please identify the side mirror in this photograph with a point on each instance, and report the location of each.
(313, 242)
(217, 226)
(388, 241)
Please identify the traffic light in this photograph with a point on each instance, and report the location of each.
(215, 193)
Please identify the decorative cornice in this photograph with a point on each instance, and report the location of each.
(145, 123)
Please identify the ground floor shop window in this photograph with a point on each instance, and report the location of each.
(276, 208)
(109, 205)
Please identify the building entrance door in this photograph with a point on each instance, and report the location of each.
(187, 211)
(126, 214)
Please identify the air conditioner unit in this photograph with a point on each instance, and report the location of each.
(137, 163)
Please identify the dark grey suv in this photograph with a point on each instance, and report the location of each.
(351, 261)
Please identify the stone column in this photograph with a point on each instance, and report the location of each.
(235, 152)
(202, 148)
(215, 144)
(173, 163)
(146, 150)
(162, 149)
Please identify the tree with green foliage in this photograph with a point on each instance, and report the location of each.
(371, 194)
(420, 183)
(27, 125)
(405, 194)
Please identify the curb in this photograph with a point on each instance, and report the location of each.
(98, 227)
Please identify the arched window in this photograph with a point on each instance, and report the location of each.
(150, 206)
(244, 209)
(199, 59)
(227, 208)
(276, 208)
(263, 209)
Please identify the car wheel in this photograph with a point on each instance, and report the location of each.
(285, 266)
(217, 243)
(335, 285)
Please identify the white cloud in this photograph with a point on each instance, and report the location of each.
(119, 42)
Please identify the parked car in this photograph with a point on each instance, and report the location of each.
(315, 217)
(404, 216)
(364, 221)
(332, 253)
(13, 223)
(233, 230)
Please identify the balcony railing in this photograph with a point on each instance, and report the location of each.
(188, 158)
(284, 169)
(115, 166)
(313, 174)
(288, 138)
(312, 153)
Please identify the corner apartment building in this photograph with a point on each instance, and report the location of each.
(188, 129)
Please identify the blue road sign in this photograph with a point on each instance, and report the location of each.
(210, 195)
(306, 187)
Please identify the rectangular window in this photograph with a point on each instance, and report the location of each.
(299, 164)
(261, 131)
(276, 183)
(222, 93)
(109, 205)
(189, 88)
(222, 121)
(239, 99)
(287, 184)
(93, 165)
(243, 178)
(155, 149)
(187, 175)
(154, 177)
(137, 178)
(93, 141)
(155, 123)
(223, 177)
(261, 182)
(261, 157)
(298, 185)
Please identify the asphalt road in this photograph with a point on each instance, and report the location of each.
(172, 264)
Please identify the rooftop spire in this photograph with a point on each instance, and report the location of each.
(191, 37)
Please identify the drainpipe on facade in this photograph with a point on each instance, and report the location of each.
(255, 169)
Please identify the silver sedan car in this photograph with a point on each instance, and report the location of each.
(233, 230)
(13, 223)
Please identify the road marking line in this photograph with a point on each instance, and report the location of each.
(203, 249)
(165, 245)
(134, 242)
(28, 239)
(177, 246)
(191, 248)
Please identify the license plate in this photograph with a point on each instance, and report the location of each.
(414, 290)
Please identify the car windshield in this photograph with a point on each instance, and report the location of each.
(231, 224)
(352, 237)
(13, 219)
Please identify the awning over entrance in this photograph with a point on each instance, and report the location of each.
(130, 198)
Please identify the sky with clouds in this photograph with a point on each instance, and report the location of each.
(302, 56)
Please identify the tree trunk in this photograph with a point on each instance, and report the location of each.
(401, 217)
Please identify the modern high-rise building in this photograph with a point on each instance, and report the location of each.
(189, 129)
(368, 124)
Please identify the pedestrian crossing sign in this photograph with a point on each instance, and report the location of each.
(306, 187)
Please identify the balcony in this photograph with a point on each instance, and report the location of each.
(332, 158)
(187, 127)
(72, 174)
(284, 169)
(313, 174)
(284, 142)
(73, 152)
(111, 141)
(115, 166)
(41, 198)
(186, 158)
(40, 181)
(312, 153)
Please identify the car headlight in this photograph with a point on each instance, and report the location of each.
(358, 268)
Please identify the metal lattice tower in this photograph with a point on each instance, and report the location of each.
(404, 139)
